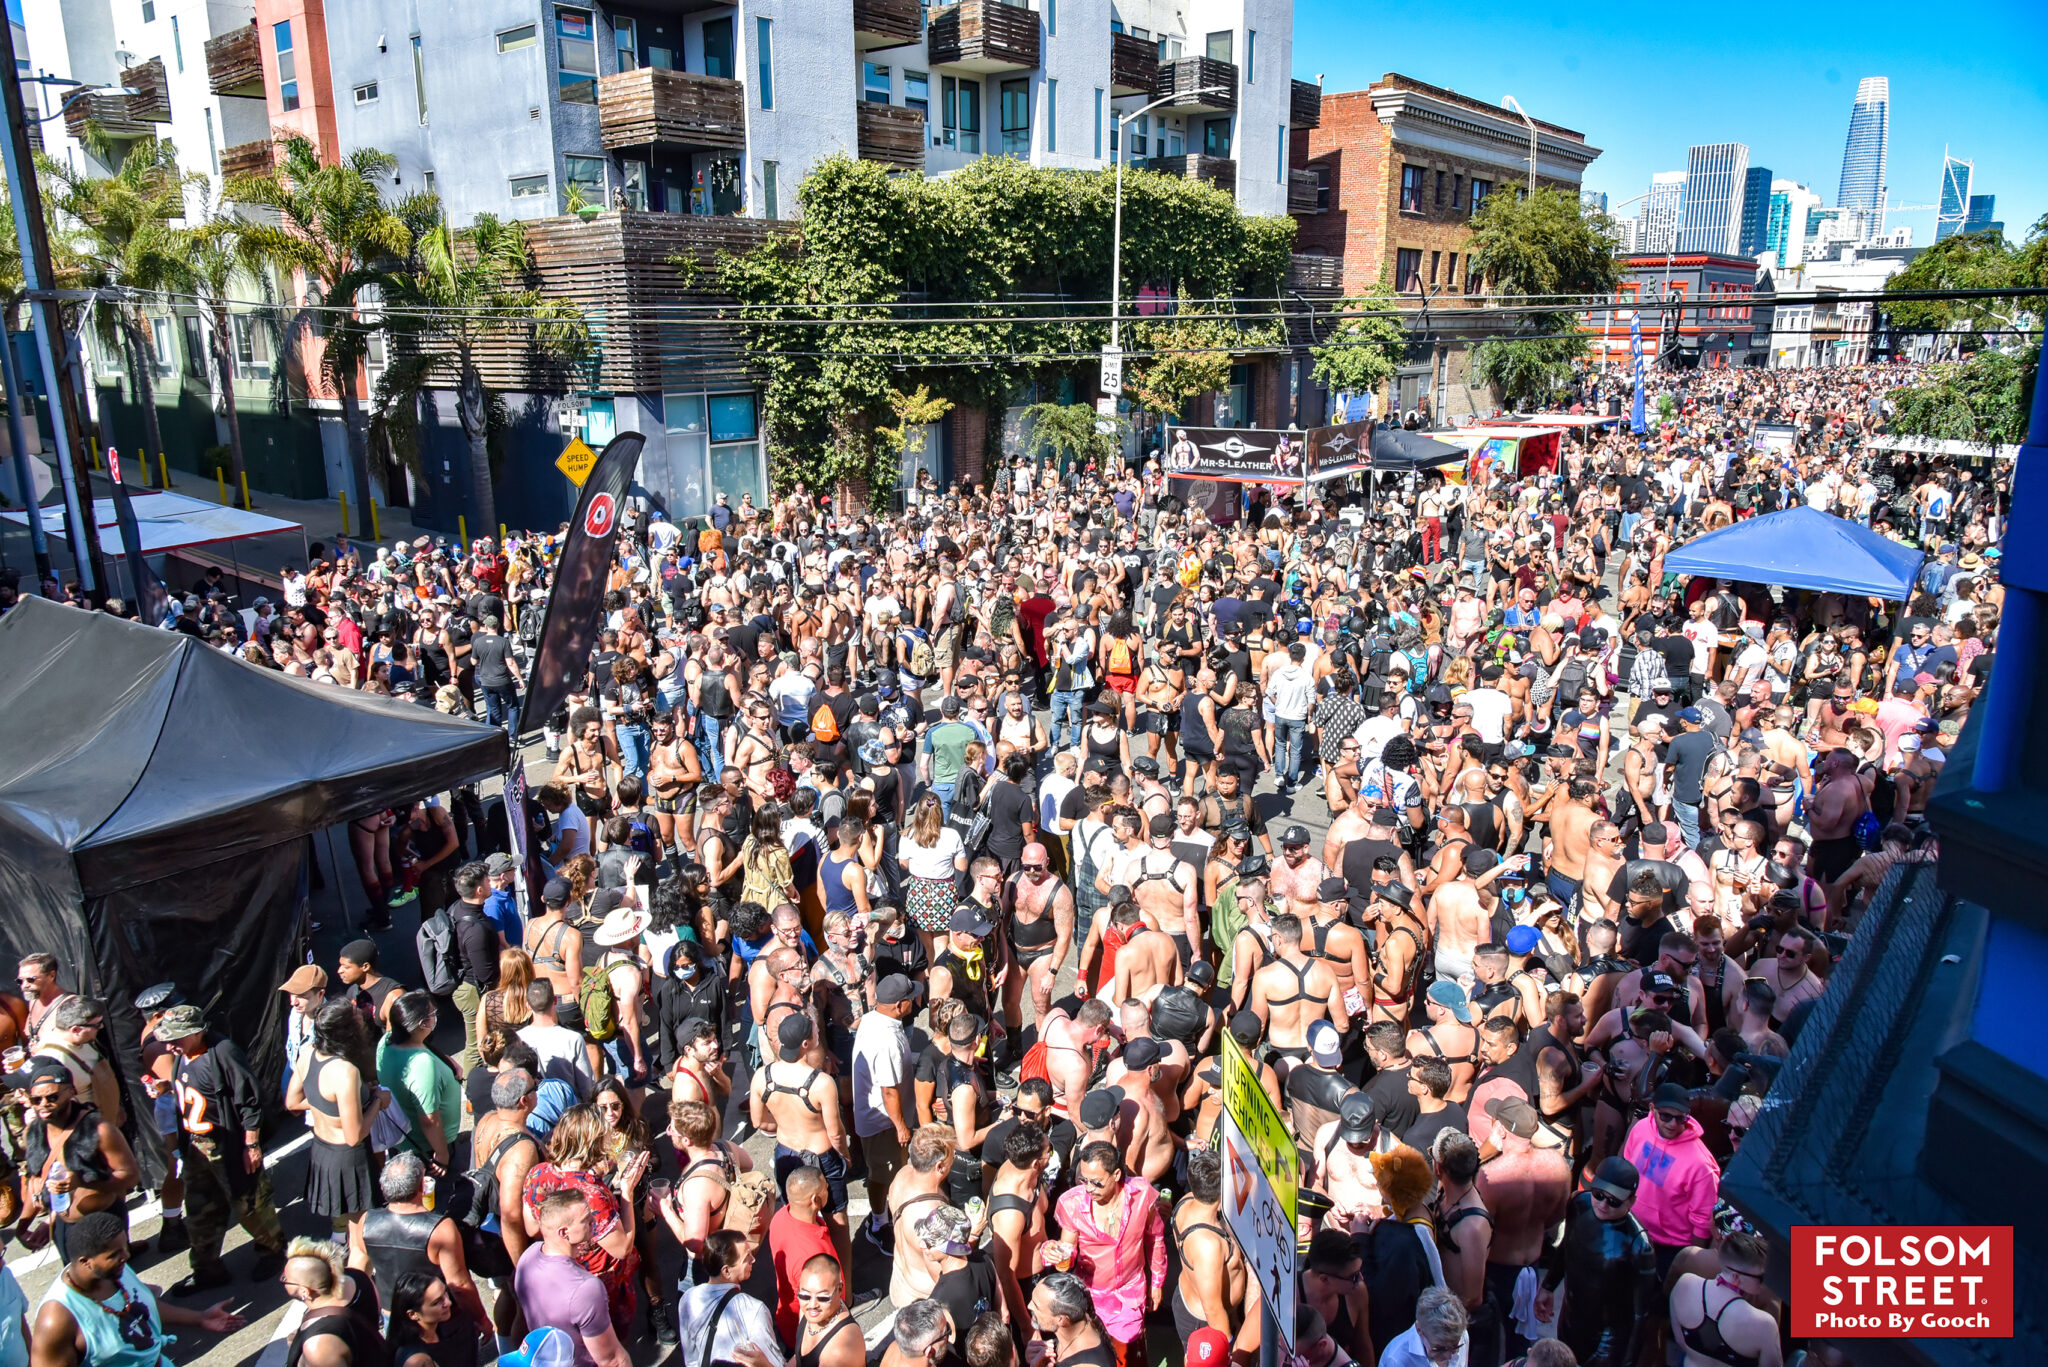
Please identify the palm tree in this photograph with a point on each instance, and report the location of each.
(334, 228)
(466, 291)
(126, 244)
(216, 253)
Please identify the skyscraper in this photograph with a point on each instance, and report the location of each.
(1756, 211)
(1979, 218)
(1715, 176)
(1786, 232)
(1954, 207)
(1661, 210)
(1862, 189)
(1593, 201)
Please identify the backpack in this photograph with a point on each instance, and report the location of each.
(1179, 1014)
(920, 652)
(957, 612)
(600, 1006)
(1418, 670)
(1570, 681)
(436, 942)
(1120, 661)
(825, 724)
(641, 841)
(749, 1197)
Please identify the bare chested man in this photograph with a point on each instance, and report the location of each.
(756, 751)
(798, 1103)
(1070, 1046)
(1340, 1165)
(1459, 915)
(1525, 1188)
(1162, 886)
(1839, 798)
(1340, 944)
(1147, 961)
(1400, 942)
(1253, 946)
(1604, 860)
(1299, 873)
(1571, 828)
(1449, 1036)
(1169, 1074)
(1210, 1289)
(1151, 1147)
(1293, 992)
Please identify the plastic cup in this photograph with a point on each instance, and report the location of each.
(658, 1190)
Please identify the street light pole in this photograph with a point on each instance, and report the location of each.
(1116, 248)
(1510, 102)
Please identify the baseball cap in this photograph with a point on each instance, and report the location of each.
(1515, 1114)
(1100, 1106)
(1246, 1027)
(1162, 824)
(1617, 1177)
(897, 988)
(1656, 980)
(792, 1035)
(947, 1228)
(968, 920)
(556, 893)
(304, 978)
(1332, 889)
(1325, 1044)
(1207, 1348)
(1357, 1119)
(1143, 1052)
(1660, 685)
(498, 865)
(1524, 939)
(1452, 998)
(1672, 1096)
(1294, 835)
(1693, 716)
(178, 1022)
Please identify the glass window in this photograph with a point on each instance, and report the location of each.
(1408, 269)
(1098, 123)
(419, 88)
(1052, 18)
(1322, 187)
(1052, 115)
(960, 113)
(1435, 260)
(662, 58)
(529, 187)
(366, 93)
(195, 345)
(764, 44)
(1016, 111)
(576, 46)
(633, 184)
(732, 417)
(718, 47)
(736, 470)
(771, 198)
(1457, 191)
(1411, 189)
(287, 64)
(1234, 404)
(1480, 190)
(177, 44)
(1440, 179)
(1473, 280)
(587, 175)
(626, 38)
(1280, 155)
(1216, 138)
(715, 183)
(513, 39)
(148, 11)
(1451, 270)
(1219, 46)
(874, 83)
(252, 346)
(683, 412)
(1251, 55)
(917, 92)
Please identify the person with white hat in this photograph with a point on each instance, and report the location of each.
(616, 935)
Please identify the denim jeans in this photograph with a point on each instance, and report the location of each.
(944, 792)
(1471, 569)
(1287, 737)
(1688, 815)
(708, 751)
(635, 744)
(501, 707)
(1066, 708)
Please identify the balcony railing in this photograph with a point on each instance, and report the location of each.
(1218, 171)
(1306, 107)
(1133, 64)
(652, 104)
(234, 63)
(1182, 78)
(892, 135)
(247, 158)
(886, 23)
(983, 35)
(124, 117)
(1302, 193)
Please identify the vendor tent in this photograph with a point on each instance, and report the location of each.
(1803, 548)
(155, 799)
(1397, 449)
(168, 522)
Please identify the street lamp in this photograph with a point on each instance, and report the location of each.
(1116, 250)
(1510, 102)
(82, 89)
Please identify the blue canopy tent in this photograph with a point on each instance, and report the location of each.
(1803, 548)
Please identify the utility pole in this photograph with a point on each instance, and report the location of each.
(39, 277)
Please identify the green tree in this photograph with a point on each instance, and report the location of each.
(127, 245)
(1072, 434)
(1545, 252)
(333, 227)
(462, 293)
(1358, 355)
(1969, 261)
(1985, 398)
(214, 257)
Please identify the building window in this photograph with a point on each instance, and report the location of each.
(960, 113)
(252, 347)
(1219, 47)
(1016, 114)
(1451, 271)
(1052, 115)
(1457, 191)
(1141, 137)
(1411, 189)
(212, 148)
(633, 184)
(513, 39)
(1322, 187)
(177, 44)
(576, 48)
(529, 187)
(586, 175)
(626, 41)
(1480, 190)
(718, 47)
(1440, 189)
(1234, 404)
(419, 86)
(1098, 123)
(1408, 270)
(917, 92)
(149, 11)
(365, 93)
(874, 83)
(764, 52)
(433, 185)
(771, 194)
(1473, 281)
(1251, 55)
(1280, 155)
(195, 345)
(287, 64)
(1216, 138)
(1052, 18)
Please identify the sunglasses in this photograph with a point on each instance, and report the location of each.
(1608, 1199)
(1036, 868)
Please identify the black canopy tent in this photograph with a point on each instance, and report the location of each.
(155, 796)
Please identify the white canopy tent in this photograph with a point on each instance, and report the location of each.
(167, 522)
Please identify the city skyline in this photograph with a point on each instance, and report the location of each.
(1603, 80)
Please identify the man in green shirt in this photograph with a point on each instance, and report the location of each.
(944, 751)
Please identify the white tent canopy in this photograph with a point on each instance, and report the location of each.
(1934, 446)
(167, 522)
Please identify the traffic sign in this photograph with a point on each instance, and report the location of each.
(1261, 1174)
(1112, 370)
(576, 461)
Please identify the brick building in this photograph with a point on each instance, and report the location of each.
(1701, 332)
(1397, 171)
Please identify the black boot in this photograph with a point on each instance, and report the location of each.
(661, 1317)
(172, 1236)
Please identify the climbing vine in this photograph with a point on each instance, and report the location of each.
(980, 287)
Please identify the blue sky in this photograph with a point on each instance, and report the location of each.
(1645, 83)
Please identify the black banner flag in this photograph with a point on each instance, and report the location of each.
(576, 602)
(152, 600)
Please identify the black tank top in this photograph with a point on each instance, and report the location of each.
(397, 1244)
(972, 990)
(1191, 723)
(809, 1357)
(1358, 858)
(1236, 724)
(713, 698)
(1716, 1004)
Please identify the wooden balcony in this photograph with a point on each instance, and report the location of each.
(1133, 64)
(1220, 172)
(247, 158)
(234, 63)
(151, 101)
(1302, 193)
(886, 23)
(892, 135)
(983, 35)
(1183, 78)
(1306, 108)
(653, 105)
(124, 117)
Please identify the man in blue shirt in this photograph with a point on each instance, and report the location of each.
(501, 908)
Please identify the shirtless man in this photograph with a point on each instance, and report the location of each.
(1449, 1036)
(587, 760)
(1151, 1146)
(755, 752)
(1168, 1074)
(673, 769)
(1253, 945)
(1603, 861)
(1298, 874)
(1641, 769)
(1571, 827)
(1525, 1188)
(1339, 944)
(1293, 992)
(799, 1105)
(1839, 798)
(1600, 972)
(1783, 746)
(1210, 1289)
(1400, 944)
(1459, 918)
(1340, 1165)
(1039, 908)
(1165, 887)
(1070, 1052)
(502, 1141)
(556, 948)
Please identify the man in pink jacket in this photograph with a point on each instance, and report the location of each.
(1680, 1179)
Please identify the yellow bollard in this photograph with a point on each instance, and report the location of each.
(222, 476)
(344, 515)
(376, 527)
(163, 468)
(247, 505)
(461, 531)
(501, 536)
(95, 447)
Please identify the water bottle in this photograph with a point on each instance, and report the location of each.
(60, 1201)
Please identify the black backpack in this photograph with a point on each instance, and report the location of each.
(1179, 1014)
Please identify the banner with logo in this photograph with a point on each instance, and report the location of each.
(1341, 450)
(1248, 454)
(575, 612)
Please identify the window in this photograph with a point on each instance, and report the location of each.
(1251, 55)
(252, 347)
(1435, 259)
(1052, 18)
(1219, 46)
(626, 38)
(1322, 187)
(1451, 270)
(874, 83)
(1141, 138)
(1052, 114)
(163, 345)
(287, 64)
(1016, 114)
(960, 113)
(148, 11)
(365, 93)
(917, 92)
(1234, 402)
(177, 44)
(1411, 189)
(771, 196)
(1408, 270)
(732, 417)
(1457, 191)
(1098, 123)
(1473, 282)
(1439, 189)
(576, 48)
(1216, 138)
(586, 174)
(529, 187)
(1480, 190)
(633, 184)
(419, 87)
(1280, 155)
(513, 39)
(212, 147)
(195, 345)
(718, 47)
(433, 186)
(764, 54)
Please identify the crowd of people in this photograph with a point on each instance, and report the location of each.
(942, 849)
